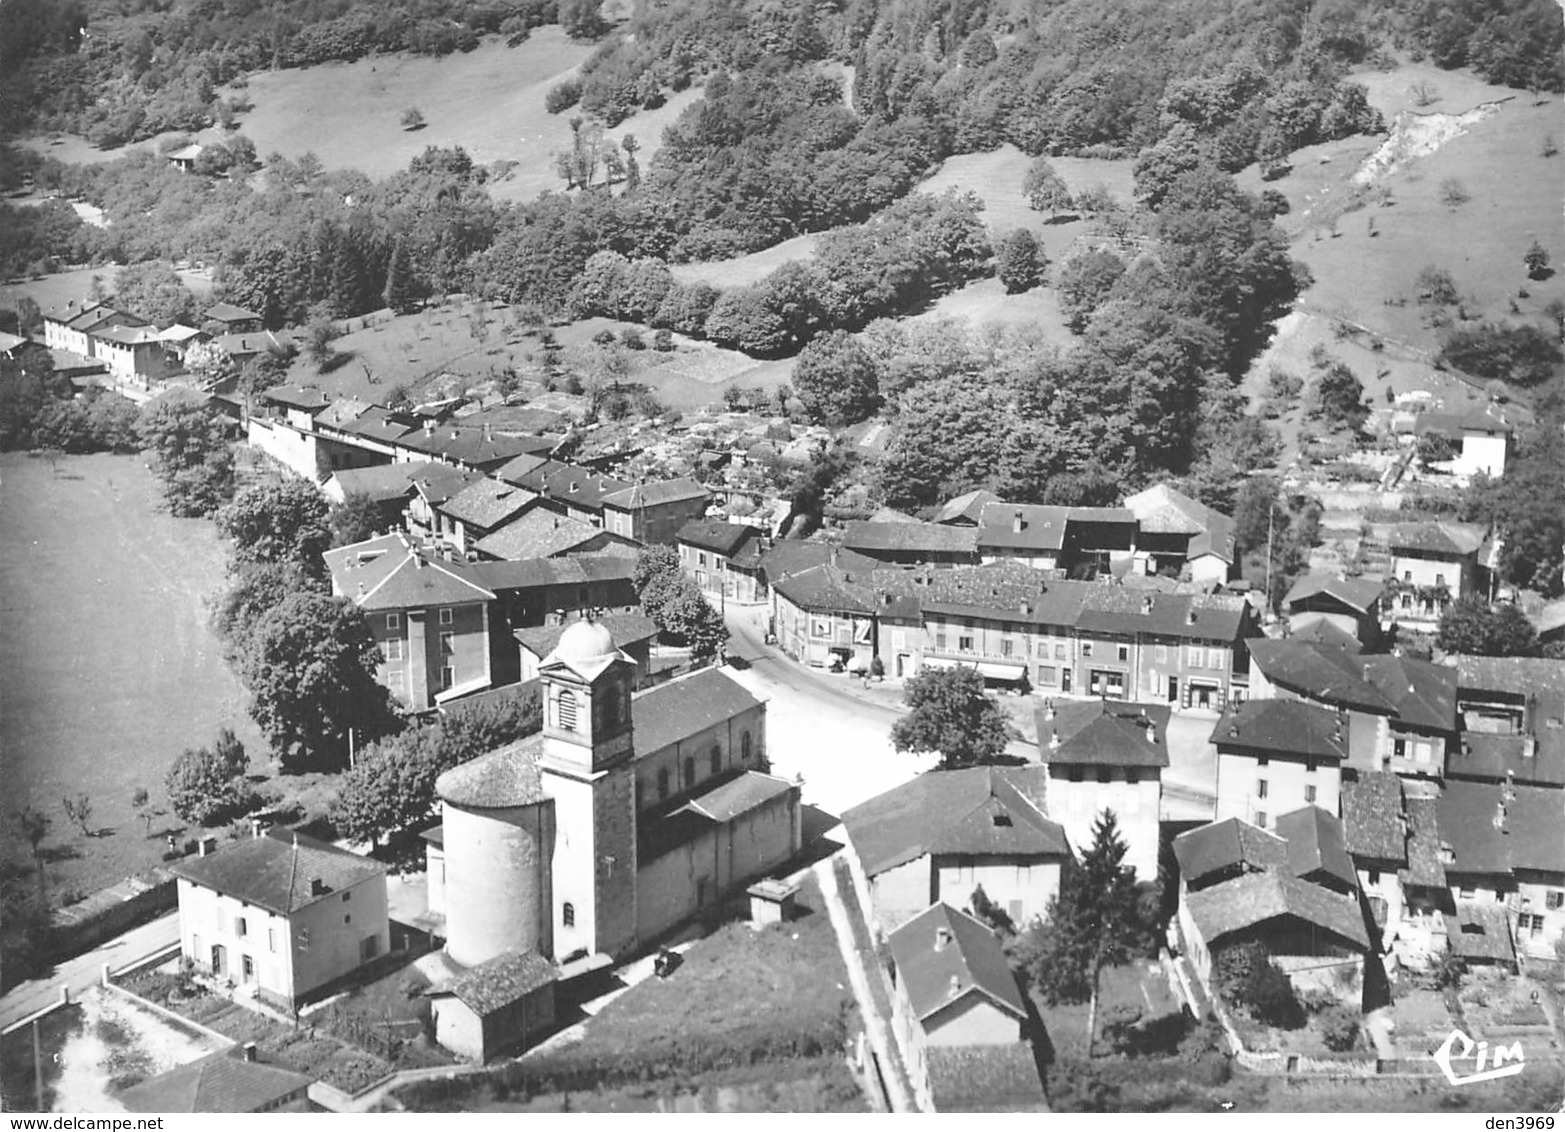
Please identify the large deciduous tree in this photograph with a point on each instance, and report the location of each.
(1019, 262)
(1044, 190)
(207, 785)
(154, 291)
(191, 455)
(1472, 626)
(950, 714)
(285, 524)
(834, 378)
(356, 518)
(310, 667)
(1524, 506)
(1098, 919)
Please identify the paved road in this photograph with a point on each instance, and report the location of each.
(85, 970)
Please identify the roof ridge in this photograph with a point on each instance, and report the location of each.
(360, 599)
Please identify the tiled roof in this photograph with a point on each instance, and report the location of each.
(908, 821)
(440, 482)
(497, 983)
(278, 872)
(943, 955)
(486, 503)
(716, 536)
(931, 538)
(823, 588)
(499, 780)
(1103, 733)
(567, 483)
(227, 312)
(296, 397)
(1282, 727)
(512, 471)
(1494, 758)
(1228, 844)
(1321, 672)
(626, 629)
(128, 335)
(382, 483)
(578, 569)
(1042, 528)
(1480, 932)
(1255, 898)
(792, 556)
(539, 533)
(377, 423)
(1327, 634)
(1535, 822)
(1316, 844)
(386, 573)
(471, 446)
(1485, 419)
(1451, 540)
(1422, 693)
(1162, 510)
(9, 342)
(220, 1082)
(664, 715)
(966, 507)
(1470, 823)
(1373, 821)
(248, 343)
(1358, 594)
(1424, 867)
(342, 411)
(749, 791)
(654, 494)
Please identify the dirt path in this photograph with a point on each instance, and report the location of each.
(877, 1027)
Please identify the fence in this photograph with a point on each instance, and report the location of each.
(112, 911)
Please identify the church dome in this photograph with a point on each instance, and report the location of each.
(585, 641)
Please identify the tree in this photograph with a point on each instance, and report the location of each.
(154, 291)
(34, 826)
(141, 802)
(1245, 975)
(1537, 261)
(1472, 626)
(207, 785)
(1339, 396)
(684, 613)
(950, 714)
(1453, 193)
(1096, 920)
(356, 518)
(1436, 287)
(1085, 283)
(78, 811)
(1043, 188)
(254, 590)
(657, 563)
(412, 118)
(310, 668)
(191, 455)
(283, 524)
(1020, 262)
(835, 381)
(401, 293)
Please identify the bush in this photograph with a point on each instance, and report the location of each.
(1245, 976)
(1340, 1027)
(1522, 354)
(562, 96)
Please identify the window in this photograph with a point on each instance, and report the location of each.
(662, 783)
(447, 677)
(1399, 748)
(1260, 788)
(1059, 650)
(1260, 818)
(568, 914)
(446, 615)
(394, 649)
(1197, 656)
(1309, 795)
(1132, 775)
(394, 680)
(394, 621)
(565, 710)
(1075, 774)
(1262, 761)
(690, 770)
(1104, 774)
(701, 559)
(1407, 575)
(964, 643)
(345, 896)
(1006, 646)
(1086, 648)
(447, 644)
(1048, 675)
(370, 947)
(717, 760)
(239, 926)
(1373, 875)
(940, 639)
(1554, 901)
(744, 746)
(1162, 653)
(347, 919)
(1466, 893)
(1439, 579)
(1309, 766)
(1124, 652)
(271, 940)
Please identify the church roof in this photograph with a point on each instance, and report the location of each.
(687, 706)
(500, 780)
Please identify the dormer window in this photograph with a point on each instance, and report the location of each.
(1002, 821)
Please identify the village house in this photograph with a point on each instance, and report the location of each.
(1086, 540)
(429, 618)
(388, 486)
(1106, 755)
(1274, 756)
(913, 544)
(232, 1080)
(1483, 438)
(132, 353)
(479, 509)
(1434, 564)
(282, 423)
(71, 325)
(433, 487)
(241, 348)
(232, 319)
(947, 833)
(1350, 604)
(477, 449)
(955, 1000)
(966, 509)
(723, 559)
(1512, 712)
(185, 157)
(281, 916)
(573, 491)
(500, 1005)
(654, 513)
(1399, 866)
(1177, 534)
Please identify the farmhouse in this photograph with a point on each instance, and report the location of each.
(1433, 564)
(723, 559)
(1177, 533)
(1350, 604)
(654, 513)
(539, 532)
(1483, 435)
(1274, 756)
(281, 914)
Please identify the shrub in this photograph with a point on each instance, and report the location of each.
(1340, 1027)
(1520, 353)
(663, 341)
(562, 96)
(1245, 975)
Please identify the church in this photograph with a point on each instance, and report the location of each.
(625, 816)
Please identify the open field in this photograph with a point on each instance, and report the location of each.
(489, 101)
(52, 290)
(110, 669)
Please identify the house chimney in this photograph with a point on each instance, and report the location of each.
(418, 561)
(249, 1051)
(942, 938)
(1016, 523)
(361, 589)
(1054, 741)
(1529, 748)
(956, 985)
(488, 434)
(429, 426)
(1190, 616)
(258, 827)
(1146, 604)
(206, 845)
(573, 487)
(1151, 732)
